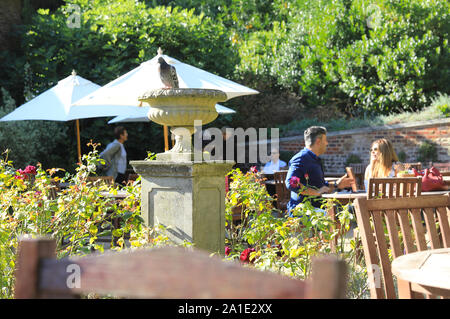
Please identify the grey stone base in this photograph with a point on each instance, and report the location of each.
(182, 157)
(187, 198)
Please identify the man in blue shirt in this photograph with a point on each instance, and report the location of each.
(306, 167)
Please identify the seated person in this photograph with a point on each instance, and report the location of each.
(383, 160)
(275, 164)
(306, 166)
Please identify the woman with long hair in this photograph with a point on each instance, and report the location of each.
(382, 160)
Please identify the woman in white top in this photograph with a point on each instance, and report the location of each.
(382, 161)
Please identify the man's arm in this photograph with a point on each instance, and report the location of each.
(296, 170)
(343, 182)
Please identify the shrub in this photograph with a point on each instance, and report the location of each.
(284, 244)
(77, 218)
(352, 159)
(427, 152)
(401, 156)
(442, 103)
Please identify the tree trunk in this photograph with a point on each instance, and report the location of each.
(10, 14)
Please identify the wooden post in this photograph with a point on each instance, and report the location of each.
(77, 122)
(166, 138)
(328, 278)
(30, 252)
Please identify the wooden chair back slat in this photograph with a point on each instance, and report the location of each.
(388, 286)
(444, 220)
(405, 227)
(419, 232)
(369, 247)
(376, 215)
(430, 222)
(168, 272)
(391, 224)
(372, 188)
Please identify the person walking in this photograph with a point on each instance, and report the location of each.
(115, 156)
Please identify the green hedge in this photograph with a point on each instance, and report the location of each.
(381, 56)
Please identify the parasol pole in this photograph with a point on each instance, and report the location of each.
(78, 140)
(166, 138)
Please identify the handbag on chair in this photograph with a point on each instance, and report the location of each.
(432, 179)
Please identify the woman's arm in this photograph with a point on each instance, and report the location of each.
(367, 172)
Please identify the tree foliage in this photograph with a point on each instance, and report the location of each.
(113, 38)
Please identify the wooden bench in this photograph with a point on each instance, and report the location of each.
(376, 215)
(169, 272)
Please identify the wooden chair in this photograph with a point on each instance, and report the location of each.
(108, 180)
(169, 272)
(54, 189)
(376, 215)
(358, 172)
(283, 194)
(394, 187)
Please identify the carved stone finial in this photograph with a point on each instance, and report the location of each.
(160, 51)
(74, 73)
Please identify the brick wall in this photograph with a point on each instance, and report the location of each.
(405, 137)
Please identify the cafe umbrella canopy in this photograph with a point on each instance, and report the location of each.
(55, 104)
(140, 115)
(126, 89)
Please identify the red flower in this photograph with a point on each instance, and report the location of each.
(253, 169)
(245, 255)
(307, 176)
(294, 182)
(30, 169)
(227, 250)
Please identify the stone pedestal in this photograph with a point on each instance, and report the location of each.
(187, 198)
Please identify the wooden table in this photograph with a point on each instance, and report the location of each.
(425, 272)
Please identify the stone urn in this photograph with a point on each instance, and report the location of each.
(180, 109)
(182, 191)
